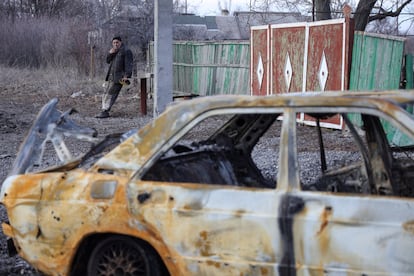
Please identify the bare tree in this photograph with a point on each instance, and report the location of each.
(366, 10)
(133, 20)
(387, 25)
(322, 9)
(185, 7)
(179, 7)
(47, 8)
(106, 9)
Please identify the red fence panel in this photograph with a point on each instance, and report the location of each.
(307, 56)
(259, 60)
(287, 53)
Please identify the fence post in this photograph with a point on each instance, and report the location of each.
(409, 76)
(143, 95)
(409, 71)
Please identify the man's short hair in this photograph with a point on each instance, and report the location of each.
(117, 38)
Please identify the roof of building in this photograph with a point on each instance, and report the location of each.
(191, 19)
(238, 25)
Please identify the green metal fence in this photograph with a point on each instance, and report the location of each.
(377, 62)
(211, 67)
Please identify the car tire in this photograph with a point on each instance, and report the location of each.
(121, 255)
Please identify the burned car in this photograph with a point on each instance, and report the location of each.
(223, 185)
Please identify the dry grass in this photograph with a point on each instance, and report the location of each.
(22, 86)
(45, 81)
(29, 90)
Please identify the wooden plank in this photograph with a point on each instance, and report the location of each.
(376, 62)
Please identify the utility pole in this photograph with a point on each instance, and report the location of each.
(163, 59)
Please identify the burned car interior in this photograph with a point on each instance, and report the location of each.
(224, 158)
(379, 171)
(364, 162)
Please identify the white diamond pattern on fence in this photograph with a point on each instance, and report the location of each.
(288, 72)
(260, 71)
(323, 72)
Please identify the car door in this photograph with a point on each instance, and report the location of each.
(201, 206)
(355, 235)
(209, 204)
(211, 230)
(349, 230)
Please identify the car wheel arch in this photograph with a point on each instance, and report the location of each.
(80, 260)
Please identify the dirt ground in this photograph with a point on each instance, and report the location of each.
(19, 105)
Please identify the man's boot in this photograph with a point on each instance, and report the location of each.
(103, 114)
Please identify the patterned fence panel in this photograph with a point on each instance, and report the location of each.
(306, 56)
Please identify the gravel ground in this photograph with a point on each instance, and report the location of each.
(20, 104)
(19, 107)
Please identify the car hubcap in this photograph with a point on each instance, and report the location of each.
(121, 259)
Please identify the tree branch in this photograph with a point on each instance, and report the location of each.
(383, 15)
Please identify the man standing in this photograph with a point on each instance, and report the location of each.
(120, 61)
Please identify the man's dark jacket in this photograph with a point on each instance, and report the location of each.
(121, 64)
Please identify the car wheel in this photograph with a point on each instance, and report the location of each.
(121, 255)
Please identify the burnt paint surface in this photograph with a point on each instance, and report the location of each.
(50, 125)
(207, 233)
(290, 206)
(196, 228)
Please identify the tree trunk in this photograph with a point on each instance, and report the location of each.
(362, 14)
(323, 9)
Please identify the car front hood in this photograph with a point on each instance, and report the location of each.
(50, 125)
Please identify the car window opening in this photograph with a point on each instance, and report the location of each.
(243, 150)
(228, 154)
(362, 162)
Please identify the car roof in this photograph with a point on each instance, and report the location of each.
(132, 154)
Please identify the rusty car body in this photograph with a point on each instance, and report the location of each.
(221, 186)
